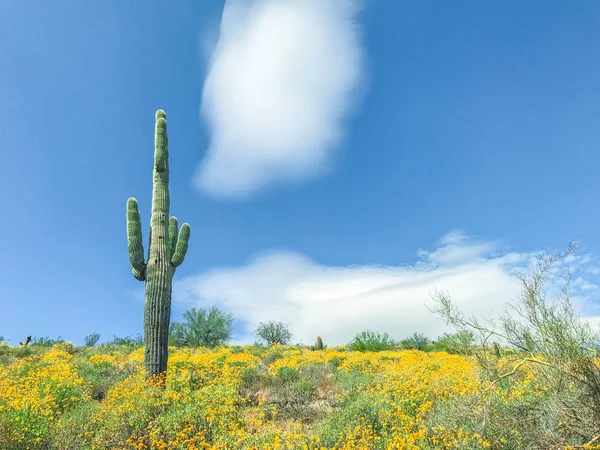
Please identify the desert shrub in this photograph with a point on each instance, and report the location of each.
(28, 415)
(417, 341)
(45, 341)
(352, 382)
(335, 361)
(460, 343)
(340, 423)
(250, 377)
(274, 333)
(101, 372)
(552, 345)
(7, 359)
(91, 339)
(288, 374)
(69, 431)
(370, 341)
(272, 354)
(128, 341)
(257, 349)
(202, 328)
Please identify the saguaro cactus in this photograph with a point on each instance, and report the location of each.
(319, 345)
(167, 251)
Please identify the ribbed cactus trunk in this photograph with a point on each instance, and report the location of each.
(319, 345)
(166, 252)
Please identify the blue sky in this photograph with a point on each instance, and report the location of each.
(452, 140)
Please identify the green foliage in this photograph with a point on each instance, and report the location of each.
(460, 343)
(45, 341)
(416, 341)
(68, 432)
(370, 341)
(339, 423)
(272, 354)
(202, 328)
(92, 339)
(288, 375)
(274, 333)
(129, 341)
(101, 377)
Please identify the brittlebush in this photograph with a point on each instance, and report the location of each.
(46, 400)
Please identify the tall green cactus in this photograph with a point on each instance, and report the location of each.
(167, 251)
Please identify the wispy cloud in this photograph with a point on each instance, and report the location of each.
(282, 79)
(338, 302)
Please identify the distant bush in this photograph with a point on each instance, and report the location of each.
(137, 341)
(92, 339)
(45, 341)
(274, 333)
(461, 343)
(202, 328)
(417, 341)
(370, 341)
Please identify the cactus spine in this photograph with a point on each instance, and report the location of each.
(166, 252)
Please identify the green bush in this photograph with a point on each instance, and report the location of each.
(416, 341)
(274, 333)
(92, 339)
(68, 434)
(288, 375)
(369, 341)
(202, 328)
(45, 341)
(336, 425)
(460, 343)
(129, 341)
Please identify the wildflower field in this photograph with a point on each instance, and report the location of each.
(257, 397)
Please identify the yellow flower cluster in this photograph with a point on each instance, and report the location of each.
(201, 403)
(34, 392)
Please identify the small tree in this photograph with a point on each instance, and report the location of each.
(370, 341)
(274, 333)
(460, 343)
(202, 328)
(137, 341)
(92, 339)
(417, 341)
(44, 341)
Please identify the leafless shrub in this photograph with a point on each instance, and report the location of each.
(547, 336)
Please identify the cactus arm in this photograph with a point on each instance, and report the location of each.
(138, 275)
(173, 231)
(182, 245)
(134, 240)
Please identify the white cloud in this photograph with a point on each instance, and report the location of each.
(338, 302)
(281, 81)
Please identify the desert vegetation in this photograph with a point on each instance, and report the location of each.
(528, 380)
